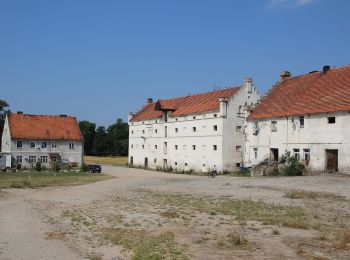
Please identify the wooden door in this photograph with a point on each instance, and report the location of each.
(332, 160)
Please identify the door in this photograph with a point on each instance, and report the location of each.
(274, 154)
(332, 160)
(165, 164)
(146, 162)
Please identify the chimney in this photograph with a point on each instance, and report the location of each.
(149, 100)
(223, 107)
(326, 68)
(285, 74)
(20, 112)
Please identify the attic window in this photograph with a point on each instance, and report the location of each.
(32, 144)
(19, 144)
(273, 126)
(331, 120)
(301, 120)
(215, 115)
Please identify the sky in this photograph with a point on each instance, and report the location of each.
(98, 60)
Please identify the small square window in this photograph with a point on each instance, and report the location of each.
(193, 147)
(176, 146)
(186, 164)
(238, 164)
(175, 163)
(194, 117)
(143, 146)
(215, 147)
(71, 145)
(331, 120)
(32, 144)
(155, 160)
(155, 130)
(155, 146)
(194, 129)
(238, 128)
(215, 127)
(176, 130)
(238, 148)
(215, 115)
(19, 144)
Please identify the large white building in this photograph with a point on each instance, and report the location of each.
(193, 132)
(29, 139)
(308, 115)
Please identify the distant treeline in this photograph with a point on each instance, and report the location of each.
(102, 142)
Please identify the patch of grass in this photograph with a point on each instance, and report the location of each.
(44, 179)
(145, 245)
(237, 238)
(303, 194)
(115, 160)
(242, 210)
(170, 214)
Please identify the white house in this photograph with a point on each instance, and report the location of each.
(193, 132)
(308, 115)
(41, 138)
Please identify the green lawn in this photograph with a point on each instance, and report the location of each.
(44, 179)
(116, 161)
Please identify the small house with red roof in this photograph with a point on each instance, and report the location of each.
(307, 115)
(192, 133)
(42, 138)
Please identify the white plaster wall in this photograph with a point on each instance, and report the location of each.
(6, 138)
(317, 135)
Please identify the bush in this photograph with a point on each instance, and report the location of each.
(56, 166)
(38, 166)
(293, 167)
(84, 167)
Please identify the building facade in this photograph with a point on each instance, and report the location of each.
(40, 138)
(307, 115)
(192, 133)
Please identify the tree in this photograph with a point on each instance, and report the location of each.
(88, 131)
(100, 144)
(118, 136)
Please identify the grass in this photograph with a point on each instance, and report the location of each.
(45, 179)
(145, 245)
(303, 194)
(242, 210)
(115, 161)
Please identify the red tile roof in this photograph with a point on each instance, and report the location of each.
(316, 92)
(198, 103)
(39, 127)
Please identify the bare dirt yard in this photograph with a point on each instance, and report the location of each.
(152, 215)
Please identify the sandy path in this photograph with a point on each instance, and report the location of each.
(23, 218)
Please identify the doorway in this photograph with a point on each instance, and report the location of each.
(165, 164)
(146, 162)
(274, 154)
(332, 160)
(131, 161)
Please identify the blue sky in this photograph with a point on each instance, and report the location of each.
(98, 60)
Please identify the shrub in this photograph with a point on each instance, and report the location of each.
(294, 167)
(56, 166)
(84, 167)
(38, 166)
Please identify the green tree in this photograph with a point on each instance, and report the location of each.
(100, 144)
(118, 137)
(88, 130)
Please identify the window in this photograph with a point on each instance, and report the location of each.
(215, 115)
(71, 145)
(301, 121)
(194, 117)
(176, 119)
(194, 129)
(32, 159)
(54, 145)
(255, 150)
(186, 163)
(273, 126)
(155, 130)
(132, 131)
(43, 159)
(132, 146)
(19, 144)
(19, 159)
(32, 144)
(238, 164)
(215, 147)
(143, 131)
(176, 130)
(143, 146)
(238, 148)
(176, 147)
(331, 120)
(193, 147)
(238, 128)
(155, 161)
(215, 127)
(155, 146)
(175, 163)
(307, 155)
(296, 153)
(44, 144)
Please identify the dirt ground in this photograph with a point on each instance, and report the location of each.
(143, 214)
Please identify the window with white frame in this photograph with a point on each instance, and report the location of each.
(20, 144)
(32, 144)
(32, 159)
(71, 145)
(43, 159)
(255, 152)
(44, 144)
(19, 159)
(273, 126)
(54, 145)
(307, 155)
(301, 121)
(296, 153)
